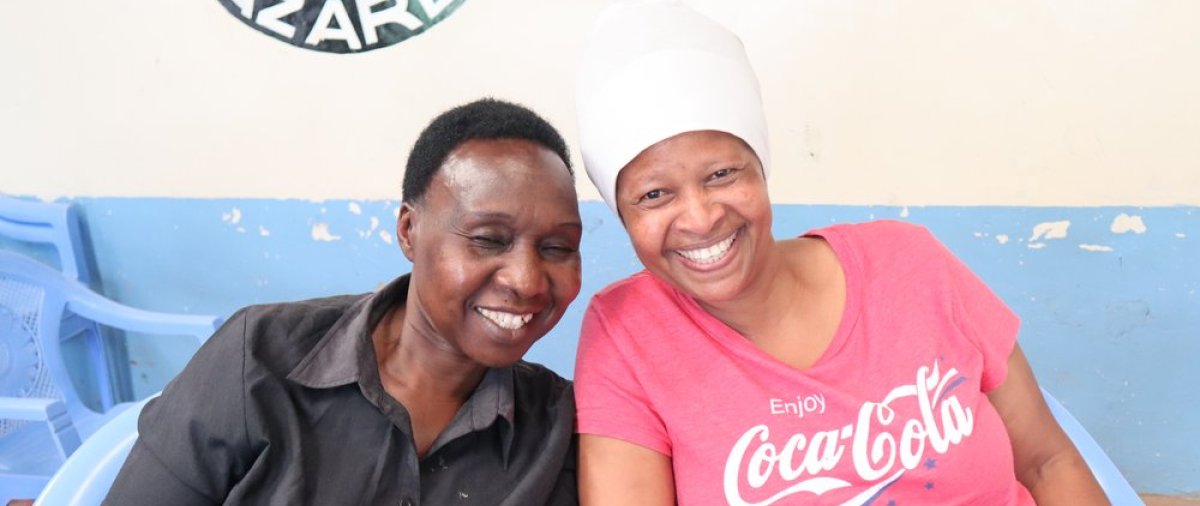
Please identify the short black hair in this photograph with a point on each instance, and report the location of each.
(486, 118)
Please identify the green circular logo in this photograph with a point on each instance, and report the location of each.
(341, 26)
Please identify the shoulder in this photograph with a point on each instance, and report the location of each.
(536, 388)
(279, 336)
(879, 233)
(639, 290)
(883, 244)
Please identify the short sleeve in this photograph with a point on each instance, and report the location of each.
(192, 446)
(986, 321)
(609, 395)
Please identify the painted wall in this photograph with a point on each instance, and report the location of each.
(1061, 102)
(1051, 145)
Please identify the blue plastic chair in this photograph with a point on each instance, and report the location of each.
(48, 223)
(86, 477)
(34, 381)
(1118, 490)
(59, 226)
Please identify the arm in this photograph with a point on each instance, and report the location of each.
(1045, 460)
(623, 442)
(192, 444)
(612, 471)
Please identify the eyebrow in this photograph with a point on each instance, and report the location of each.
(498, 216)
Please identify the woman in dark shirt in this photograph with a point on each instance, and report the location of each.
(415, 394)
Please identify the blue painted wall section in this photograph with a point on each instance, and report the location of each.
(1109, 303)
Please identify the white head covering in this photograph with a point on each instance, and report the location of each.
(653, 70)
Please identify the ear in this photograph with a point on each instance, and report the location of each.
(405, 225)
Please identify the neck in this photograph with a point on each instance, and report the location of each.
(415, 365)
(765, 301)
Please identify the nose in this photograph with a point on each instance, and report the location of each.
(524, 274)
(699, 213)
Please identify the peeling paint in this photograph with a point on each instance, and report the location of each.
(1180, 235)
(320, 232)
(1036, 245)
(1095, 247)
(1002, 238)
(1050, 230)
(1125, 223)
(233, 217)
(904, 212)
(263, 231)
(355, 208)
(386, 236)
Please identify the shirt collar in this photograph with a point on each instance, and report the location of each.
(346, 355)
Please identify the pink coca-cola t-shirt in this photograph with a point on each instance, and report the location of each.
(893, 413)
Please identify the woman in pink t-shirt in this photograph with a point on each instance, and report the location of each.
(857, 364)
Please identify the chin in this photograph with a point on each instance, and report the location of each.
(501, 358)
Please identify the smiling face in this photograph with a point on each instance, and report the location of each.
(696, 209)
(494, 244)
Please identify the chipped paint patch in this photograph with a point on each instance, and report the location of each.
(366, 234)
(355, 208)
(263, 231)
(320, 232)
(1125, 223)
(233, 217)
(1180, 235)
(1050, 230)
(904, 212)
(386, 236)
(1002, 238)
(1095, 247)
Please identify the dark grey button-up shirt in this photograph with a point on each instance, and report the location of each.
(283, 405)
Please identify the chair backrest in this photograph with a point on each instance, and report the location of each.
(59, 225)
(48, 223)
(44, 296)
(39, 300)
(1118, 490)
(84, 479)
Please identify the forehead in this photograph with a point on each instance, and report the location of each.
(689, 149)
(480, 168)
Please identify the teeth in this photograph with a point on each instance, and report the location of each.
(710, 254)
(510, 321)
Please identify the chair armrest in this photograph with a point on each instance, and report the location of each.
(1118, 490)
(97, 308)
(86, 477)
(31, 409)
(51, 411)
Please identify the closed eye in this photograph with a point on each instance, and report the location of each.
(488, 242)
(558, 250)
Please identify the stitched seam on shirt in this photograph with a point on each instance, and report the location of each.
(245, 418)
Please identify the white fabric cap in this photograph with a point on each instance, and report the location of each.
(653, 70)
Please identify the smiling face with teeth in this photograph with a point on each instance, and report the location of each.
(696, 209)
(494, 244)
